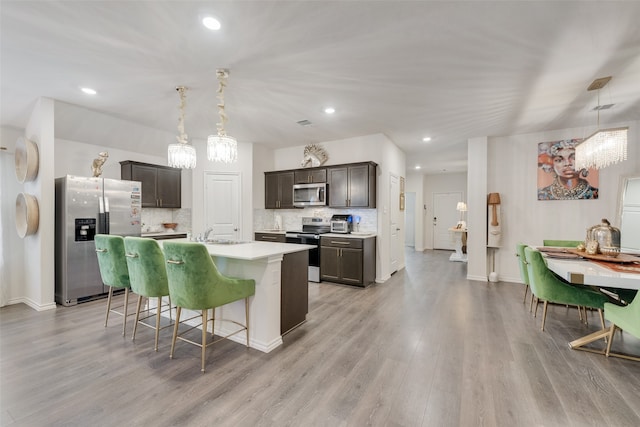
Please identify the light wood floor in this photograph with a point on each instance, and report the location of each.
(427, 348)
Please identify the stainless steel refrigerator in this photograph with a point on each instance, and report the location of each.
(86, 207)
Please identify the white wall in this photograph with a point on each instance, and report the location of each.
(12, 250)
(414, 183)
(512, 169)
(439, 183)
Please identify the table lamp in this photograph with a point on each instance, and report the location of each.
(462, 208)
(493, 200)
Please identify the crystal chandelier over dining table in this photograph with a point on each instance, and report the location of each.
(604, 147)
(222, 147)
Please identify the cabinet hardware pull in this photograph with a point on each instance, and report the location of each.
(269, 238)
(170, 261)
(339, 243)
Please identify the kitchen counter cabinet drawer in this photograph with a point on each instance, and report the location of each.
(337, 242)
(270, 237)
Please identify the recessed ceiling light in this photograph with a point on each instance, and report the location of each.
(211, 23)
(88, 90)
(329, 110)
(426, 139)
(418, 167)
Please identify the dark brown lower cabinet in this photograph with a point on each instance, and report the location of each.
(351, 261)
(294, 296)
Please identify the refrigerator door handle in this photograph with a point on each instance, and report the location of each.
(106, 215)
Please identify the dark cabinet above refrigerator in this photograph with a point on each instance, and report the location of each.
(161, 185)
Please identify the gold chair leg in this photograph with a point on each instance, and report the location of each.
(158, 311)
(601, 318)
(531, 302)
(544, 314)
(135, 324)
(246, 310)
(126, 306)
(106, 318)
(213, 322)
(175, 331)
(526, 289)
(612, 332)
(204, 337)
(535, 310)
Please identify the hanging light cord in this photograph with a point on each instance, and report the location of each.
(182, 138)
(222, 74)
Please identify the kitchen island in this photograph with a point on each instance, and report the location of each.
(262, 262)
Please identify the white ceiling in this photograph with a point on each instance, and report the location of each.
(451, 70)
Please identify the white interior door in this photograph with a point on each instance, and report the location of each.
(445, 216)
(222, 205)
(394, 224)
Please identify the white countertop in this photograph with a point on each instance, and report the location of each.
(272, 231)
(251, 250)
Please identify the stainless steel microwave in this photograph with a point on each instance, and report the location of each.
(309, 195)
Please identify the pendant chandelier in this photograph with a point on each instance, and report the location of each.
(222, 147)
(182, 155)
(606, 146)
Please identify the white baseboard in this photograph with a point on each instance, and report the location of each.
(34, 305)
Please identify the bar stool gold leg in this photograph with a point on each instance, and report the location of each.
(175, 331)
(204, 337)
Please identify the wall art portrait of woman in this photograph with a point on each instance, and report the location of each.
(557, 177)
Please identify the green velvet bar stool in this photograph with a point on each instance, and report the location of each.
(547, 287)
(148, 277)
(114, 271)
(626, 318)
(196, 284)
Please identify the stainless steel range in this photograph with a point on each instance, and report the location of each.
(312, 228)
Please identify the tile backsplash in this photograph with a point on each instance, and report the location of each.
(152, 219)
(264, 219)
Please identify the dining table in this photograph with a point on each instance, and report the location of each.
(596, 273)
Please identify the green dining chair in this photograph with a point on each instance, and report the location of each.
(113, 271)
(196, 284)
(524, 275)
(626, 318)
(563, 243)
(547, 287)
(148, 277)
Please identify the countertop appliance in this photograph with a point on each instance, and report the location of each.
(85, 207)
(309, 195)
(312, 228)
(342, 223)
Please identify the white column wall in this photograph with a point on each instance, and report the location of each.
(39, 265)
(477, 211)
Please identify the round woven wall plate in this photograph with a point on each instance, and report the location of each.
(26, 158)
(27, 215)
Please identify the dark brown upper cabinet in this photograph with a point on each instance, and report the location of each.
(278, 190)
(161, 185)
(352, 185)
